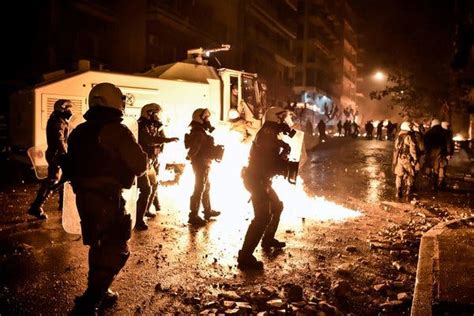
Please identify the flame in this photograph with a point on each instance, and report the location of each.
(458, 138)
(229, 196)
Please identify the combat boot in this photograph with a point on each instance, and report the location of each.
(84, 305)
(150, 214)
(36, 208)
(141, 225)
(196, 221)
(156, 204)
(109, 299)
(248, 262)
(37, 211)
(210, 213)
(273, 243)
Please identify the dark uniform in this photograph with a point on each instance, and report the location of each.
(448, 134)
(152, 138)
(355, 129)
(339, 128)
(103, 159)
(379, 130)
(56, 135)
(265, 162)
(347, 128)
(436, 147)
(201, 153)
(369, 129)
(322, 131)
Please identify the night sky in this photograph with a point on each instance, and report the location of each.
(416, 33)
(416, 36)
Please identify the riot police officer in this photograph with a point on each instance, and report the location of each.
(201, 153)
(102, 160)
(56, 136)
(152, 138)
(268, 155)
(437, 150)
(405, 159)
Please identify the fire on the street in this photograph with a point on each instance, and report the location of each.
(229, 196)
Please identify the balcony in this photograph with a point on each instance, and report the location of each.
(326, 28)
(276, 17)
(189, 19)
(273, 46)
(350, 75)
(349, 35)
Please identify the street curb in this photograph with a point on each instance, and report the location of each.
(427, 276)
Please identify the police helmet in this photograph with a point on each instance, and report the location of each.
(200, 114)
(107, 95)
(445, 125)
(275, 114)
(62, 105)
(150, 108)
(405, 126)
(434, 122)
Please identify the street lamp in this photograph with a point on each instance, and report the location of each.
(379, 76)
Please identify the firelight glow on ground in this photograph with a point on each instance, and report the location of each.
(229, 196)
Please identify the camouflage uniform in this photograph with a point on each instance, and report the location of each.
(405, 158)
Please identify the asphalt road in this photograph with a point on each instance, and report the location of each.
(345, 196)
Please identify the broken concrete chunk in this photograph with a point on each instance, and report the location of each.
(269, 290)
(351, 248)
(232, 311)
(230, 295)
(344, 269)
(403, 296)
(397, 265)
(228, 304)
(380, 287)
(243, 305)
(275, 303)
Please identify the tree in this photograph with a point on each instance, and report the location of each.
(423, 92)
(404, 91)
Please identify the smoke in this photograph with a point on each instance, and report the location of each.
(378, 110)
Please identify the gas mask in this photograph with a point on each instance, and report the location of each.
(67, 114)
(154, 116)
(286, 126)
(208, 126)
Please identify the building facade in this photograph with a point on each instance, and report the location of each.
(326, 55)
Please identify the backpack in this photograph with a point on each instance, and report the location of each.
(187, 140)
(402, 147)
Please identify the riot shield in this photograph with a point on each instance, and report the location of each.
(38, 160)
(71, 221)
(297, 155)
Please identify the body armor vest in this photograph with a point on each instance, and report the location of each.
(88, 158)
